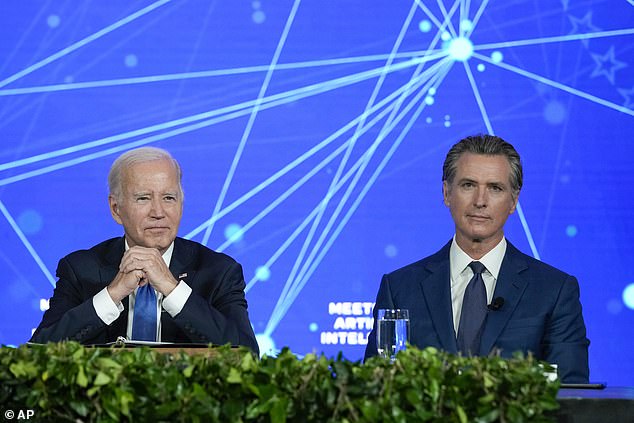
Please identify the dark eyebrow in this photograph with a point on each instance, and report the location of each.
(497, 184)
(466, 180)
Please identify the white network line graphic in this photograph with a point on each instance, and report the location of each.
(403, 104)
(252, 115)
(83, 42)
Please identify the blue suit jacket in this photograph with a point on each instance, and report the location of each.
(215, 312)
(541, 311)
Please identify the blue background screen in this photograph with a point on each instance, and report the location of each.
(312, 135)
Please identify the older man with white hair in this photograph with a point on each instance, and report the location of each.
(148, 285)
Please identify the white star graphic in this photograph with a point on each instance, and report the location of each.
(583, 26)
(628, 95)
(603, 61)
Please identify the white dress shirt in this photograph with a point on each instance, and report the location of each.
(461, 274)
(108, 311)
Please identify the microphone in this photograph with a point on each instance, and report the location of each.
(496, 304)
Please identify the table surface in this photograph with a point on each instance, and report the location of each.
(610, 392)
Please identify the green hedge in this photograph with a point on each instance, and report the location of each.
(69, 382)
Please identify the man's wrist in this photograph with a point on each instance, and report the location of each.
(115, 295)
(105, 307)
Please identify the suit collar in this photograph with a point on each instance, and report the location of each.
(510, 286)
(437, 291)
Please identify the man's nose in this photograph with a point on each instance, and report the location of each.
(157, 208)
(480, 197)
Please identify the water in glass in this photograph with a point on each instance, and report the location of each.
(392, 332)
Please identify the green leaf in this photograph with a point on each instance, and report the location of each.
(187, 372)
(461, 414)
(125, 399)
(82, 380)
(23, 369)
(234, 376)
(79, 407)
(233, 385)
(248, 362)
(278, 411)
(92, 391)
(102, 379)
(108, 363)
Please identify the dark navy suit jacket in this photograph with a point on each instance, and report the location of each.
(215, 312)
(541, 311)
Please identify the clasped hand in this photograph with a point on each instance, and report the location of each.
(139, 266)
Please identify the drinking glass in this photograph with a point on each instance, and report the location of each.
(392, 331)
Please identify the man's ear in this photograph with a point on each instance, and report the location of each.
(516, 198)
(445, 192)
(114, 208)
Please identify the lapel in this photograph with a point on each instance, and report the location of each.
(181, 269)
(510, 286)
(111, 259)
(182, 257)
(437, 293)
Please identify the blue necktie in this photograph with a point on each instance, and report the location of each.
(474, 311)
(144, 324)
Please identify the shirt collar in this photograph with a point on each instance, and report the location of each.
(167, 255)
(459, 260)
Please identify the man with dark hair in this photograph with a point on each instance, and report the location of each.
(148, 285)
(479, 294)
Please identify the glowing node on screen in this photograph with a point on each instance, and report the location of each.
(258, 17)
(424, 25)
(555, 112)
(391, 250)
(233, 232)
(44, 304)
(460, 49)
(481, 67)
(466, 25)
(131, 60)
(429, 100)
(69, 79)
(447, 124)
(628, 296)
(614, 306)
(313, 327)
(428, 119)
(497, 56)
(266, 344)
(445, 36)
(263, 273)
(30, 222)
(432, 91)
(53, 21)
(571, 231)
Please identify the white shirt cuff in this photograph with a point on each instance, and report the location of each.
(105, 307)
(176, 300)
